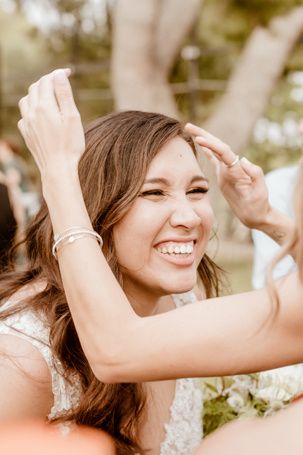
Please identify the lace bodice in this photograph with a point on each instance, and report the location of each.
(183, 433)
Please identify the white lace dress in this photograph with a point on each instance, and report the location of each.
(183, 433)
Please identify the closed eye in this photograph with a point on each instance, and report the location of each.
(198, 190)
(152, 193)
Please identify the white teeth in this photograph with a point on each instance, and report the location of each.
(185, 248)
(170, 249)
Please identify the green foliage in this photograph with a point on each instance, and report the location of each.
(29, 53)
(263, 11)
(217, 412)
(85, 44)
(222, 30)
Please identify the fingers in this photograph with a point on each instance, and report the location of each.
(203, 138)
(46, 90)
(33, 96)
(194, 130)
(42, 94)
(63, 93)
(24, 106)
(21, 127)
(221, 150)
(46, 93)
(253, 171)
(210, 156)
(24, 133)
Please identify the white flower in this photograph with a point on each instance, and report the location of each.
(255, 394)
(242, 385)
(273, 393)
(281, 384)
(236, 401)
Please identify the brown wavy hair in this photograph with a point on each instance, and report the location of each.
(119, 149)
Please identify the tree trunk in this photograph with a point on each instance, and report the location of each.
(147, 36)
(254, 78)
(250, 86)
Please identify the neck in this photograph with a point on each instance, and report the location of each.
(147, 303)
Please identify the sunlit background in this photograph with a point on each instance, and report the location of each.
(235, 66)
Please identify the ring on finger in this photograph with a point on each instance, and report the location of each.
(236, 160)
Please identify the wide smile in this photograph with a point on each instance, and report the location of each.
(179, 253)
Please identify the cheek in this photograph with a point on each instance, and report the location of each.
(133, 236)
(124, 237)
(207, 218)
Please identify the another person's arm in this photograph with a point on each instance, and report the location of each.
(218, 336)
(278, 434)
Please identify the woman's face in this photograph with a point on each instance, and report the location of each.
(162, 238)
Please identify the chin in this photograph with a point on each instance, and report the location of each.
(179, 286)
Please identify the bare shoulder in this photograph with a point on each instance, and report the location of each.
(25, 380)
(28, 291)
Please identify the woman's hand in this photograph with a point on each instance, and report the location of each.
(242, 184)
(51, 125)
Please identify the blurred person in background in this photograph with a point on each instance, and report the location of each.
(12, 163)
(24, 201)
(8, 224)
(13, 168)
(281, 184)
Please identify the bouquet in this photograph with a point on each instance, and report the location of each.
(259, 394)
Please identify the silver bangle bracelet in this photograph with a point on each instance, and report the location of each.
(70, 235)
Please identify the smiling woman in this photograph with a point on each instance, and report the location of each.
(147, 197)
(167, 228)
(233, 334)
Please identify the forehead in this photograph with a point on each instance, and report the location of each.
(176, 156)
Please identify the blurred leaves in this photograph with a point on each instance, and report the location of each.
(79, 35)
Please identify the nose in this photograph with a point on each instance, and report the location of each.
(184, 215)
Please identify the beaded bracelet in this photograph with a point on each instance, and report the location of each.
(72, 234)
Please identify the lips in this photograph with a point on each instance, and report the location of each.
(177, 252)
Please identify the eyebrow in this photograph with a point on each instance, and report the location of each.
(164, 181)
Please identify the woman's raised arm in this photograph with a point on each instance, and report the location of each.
(219, 336)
